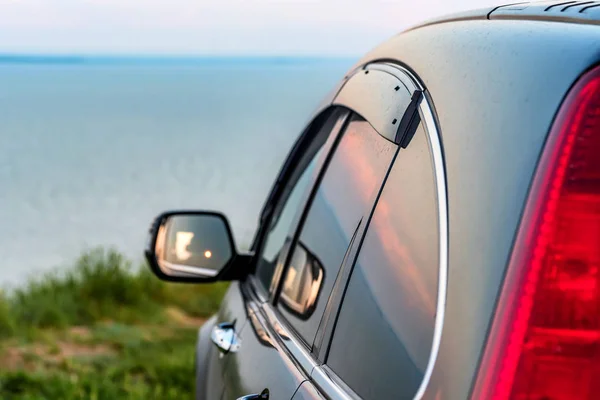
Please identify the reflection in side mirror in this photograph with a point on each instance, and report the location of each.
(303, 282)
(190, 246)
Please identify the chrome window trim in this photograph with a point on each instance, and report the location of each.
(437, 155)
(329, 387)
(286, 337)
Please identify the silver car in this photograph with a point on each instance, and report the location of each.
(434, 232)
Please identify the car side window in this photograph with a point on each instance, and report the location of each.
(386, 321)
(347, 189)
(292, 200)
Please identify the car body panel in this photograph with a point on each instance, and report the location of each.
(232, 310)
(209, 382)
(494, 109)
(307, 391)
(263, 363)
(496, 86)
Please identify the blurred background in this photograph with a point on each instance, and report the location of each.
(112, 111)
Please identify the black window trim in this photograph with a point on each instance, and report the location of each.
(280, 185)
(306, 208)
(297, 229)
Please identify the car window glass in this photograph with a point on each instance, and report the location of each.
(347, 189)
(275, 240)
(388, 312)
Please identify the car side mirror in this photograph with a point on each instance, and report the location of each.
(194, 246)
(302, 284)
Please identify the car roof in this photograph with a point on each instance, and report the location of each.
(582, 12)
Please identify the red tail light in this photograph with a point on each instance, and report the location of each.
(545, 339)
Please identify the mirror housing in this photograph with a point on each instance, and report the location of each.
(194, 247)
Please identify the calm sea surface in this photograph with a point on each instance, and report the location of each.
(90, 153)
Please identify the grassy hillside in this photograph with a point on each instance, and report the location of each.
(101, 330)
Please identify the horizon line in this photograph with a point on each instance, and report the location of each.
(38, 58)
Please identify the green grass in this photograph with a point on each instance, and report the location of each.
(129, 364)
(101, 330)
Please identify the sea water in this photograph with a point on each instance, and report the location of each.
(90, 152)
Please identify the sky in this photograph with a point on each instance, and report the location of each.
(216, 27)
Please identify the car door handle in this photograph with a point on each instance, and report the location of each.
(224, 337)
(264, 395)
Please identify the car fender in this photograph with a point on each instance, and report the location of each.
(203, 351)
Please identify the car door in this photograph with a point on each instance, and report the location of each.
(277, 343)
(231, 313)
(225, 328)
